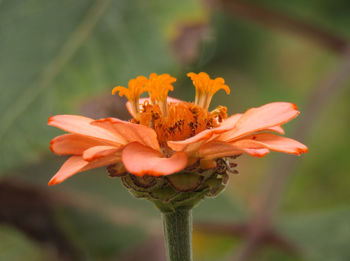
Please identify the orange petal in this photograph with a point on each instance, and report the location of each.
(261, 118)
(76, 164)
(141, 160)
(256, 152)
(130, 132)
(99, 152)
(142, 100)
(228, 123)
(196, 141)
(73, 165)
(277, 129)
(105, 161)
(218, 149)
(72, 144)
(81, 125)
(272, 142)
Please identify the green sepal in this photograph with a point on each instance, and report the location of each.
(185, 181)
(181, 190)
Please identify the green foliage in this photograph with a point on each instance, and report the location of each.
(208, 247)
(97, 237)
(16, 247)
(323, 177)
(321, 236)
(56, 54)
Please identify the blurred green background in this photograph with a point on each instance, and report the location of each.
(65, 56)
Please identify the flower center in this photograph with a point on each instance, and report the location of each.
(178, 120)
(183, 121)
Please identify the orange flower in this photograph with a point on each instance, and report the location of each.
(166, 135)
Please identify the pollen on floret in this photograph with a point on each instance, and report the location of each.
(206, 88)
(158, 86)
(184, 120)
(204, 84)
(135, 88)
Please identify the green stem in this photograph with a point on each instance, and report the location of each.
(178, 234)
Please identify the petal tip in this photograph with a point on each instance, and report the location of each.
(302, 150)
(50, 119)
(51, 147)
(53, 182)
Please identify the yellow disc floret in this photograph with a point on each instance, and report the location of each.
(135, 88)
(158, 87)
(176, 120)
(206, 88)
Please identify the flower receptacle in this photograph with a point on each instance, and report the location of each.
(182, 190)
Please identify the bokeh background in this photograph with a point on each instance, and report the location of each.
(65, 56)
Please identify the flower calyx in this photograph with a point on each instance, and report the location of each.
(181, 190)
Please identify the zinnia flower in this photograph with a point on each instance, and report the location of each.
(167, 135)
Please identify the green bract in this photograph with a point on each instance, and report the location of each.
(182, 190)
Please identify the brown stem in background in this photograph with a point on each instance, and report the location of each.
(282, 21)
(268, 237)
(30, 211)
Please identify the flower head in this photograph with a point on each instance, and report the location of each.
(166, 135)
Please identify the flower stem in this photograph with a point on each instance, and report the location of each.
(178, 234)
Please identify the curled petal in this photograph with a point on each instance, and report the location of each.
(72, 144)
(141, 160)
(194, 142)
(76, 164)
(261, 118)
(277, 129)
(228, 123)
(81, 125)
(130, 132)
(272, 142)
(99, 152)
(218, 149)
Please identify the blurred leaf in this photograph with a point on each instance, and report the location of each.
(331, 15)
(30, 209)
(274, 254)
(96, 237)
(208, 247)
(323, 180)
(321, 236)
(16, 247)
(56, 54)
